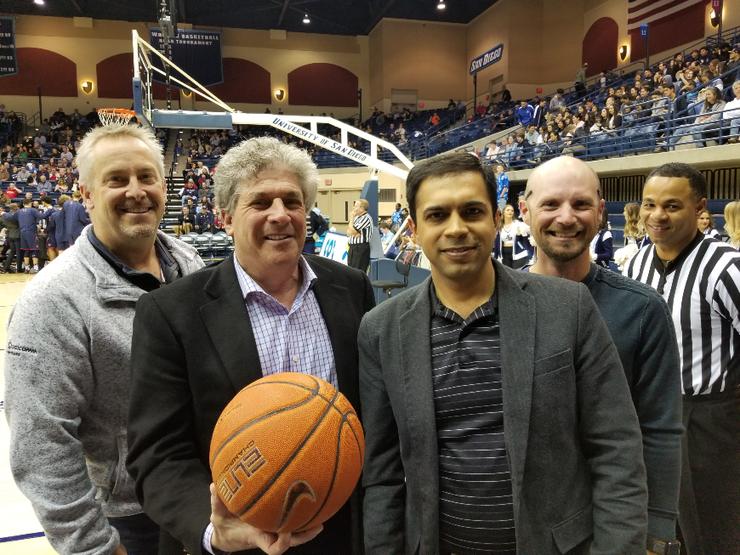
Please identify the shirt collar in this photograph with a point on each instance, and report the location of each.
(439, 310)
(144, 280)
(250, 287)
(676, 262)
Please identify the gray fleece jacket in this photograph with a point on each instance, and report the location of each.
(67, 391)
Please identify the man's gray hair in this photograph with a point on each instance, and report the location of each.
(244, 162)
(85, 153)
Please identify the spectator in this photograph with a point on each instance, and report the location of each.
(524, 113)
(434, 119)
(538, 116)
(185, 221)
(512, 247)
(502, 187)
(709, 117)
(390, 249)
(732, 223)
(319, 223)
(732, 113)
(12, 191)
(396, 218)
(203, 219)
(601, 248)
(43, 185)
(705, 224)
(633, 233)
(189, 190)
(580, 81)
(557, 102)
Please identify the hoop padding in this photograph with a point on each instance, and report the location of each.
(115, 116)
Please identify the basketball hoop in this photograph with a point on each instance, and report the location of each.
(115, 116)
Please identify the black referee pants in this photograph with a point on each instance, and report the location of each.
(359, 256)
(709, 502)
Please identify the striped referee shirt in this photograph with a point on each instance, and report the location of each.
(702, 289)
(475, 496)
(364, 224)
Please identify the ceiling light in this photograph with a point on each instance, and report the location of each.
(306, 19)
(38, 2)
(441, 6)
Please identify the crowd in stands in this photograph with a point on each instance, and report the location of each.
(692, 98)
(40, 200)
(688, 98)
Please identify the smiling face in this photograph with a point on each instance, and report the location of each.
(563, 209)
(268, 223)
(126, 195)
(669, 212)
(508, 214)
(704, 221)
(456, 227)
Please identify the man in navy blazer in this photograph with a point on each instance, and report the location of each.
(265, 309)
(497, 415)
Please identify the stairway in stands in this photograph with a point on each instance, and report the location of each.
(174, 184)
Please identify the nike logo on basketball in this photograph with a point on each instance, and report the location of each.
(296, 491)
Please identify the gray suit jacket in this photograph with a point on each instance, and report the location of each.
(571, 431)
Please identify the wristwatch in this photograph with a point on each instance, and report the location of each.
(663, 547)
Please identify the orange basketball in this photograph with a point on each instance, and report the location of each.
(286, 452)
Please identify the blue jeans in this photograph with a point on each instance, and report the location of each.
(139, 534)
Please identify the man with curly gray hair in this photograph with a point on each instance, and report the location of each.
(264, 310)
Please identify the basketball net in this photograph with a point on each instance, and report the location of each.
(115, 116)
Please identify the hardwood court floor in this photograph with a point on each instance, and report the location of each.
(16, 516)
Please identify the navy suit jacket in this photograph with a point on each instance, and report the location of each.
(193, 349)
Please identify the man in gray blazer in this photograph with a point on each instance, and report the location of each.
(497, 415)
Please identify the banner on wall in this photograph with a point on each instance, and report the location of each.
(487, 58)
(8, 60)
(197, 52)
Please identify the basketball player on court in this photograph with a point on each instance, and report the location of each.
(69, 338)
(266, 309)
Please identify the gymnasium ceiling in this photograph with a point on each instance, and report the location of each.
(334, 17)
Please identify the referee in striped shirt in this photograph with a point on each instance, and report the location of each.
(700, 279)
(359, 232)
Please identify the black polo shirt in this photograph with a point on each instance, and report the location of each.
(144, 280)
(476, 512)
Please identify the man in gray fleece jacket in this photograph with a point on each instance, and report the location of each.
(68, 352)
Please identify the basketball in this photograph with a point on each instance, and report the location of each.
(286, 452)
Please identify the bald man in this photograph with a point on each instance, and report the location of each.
(563, 206)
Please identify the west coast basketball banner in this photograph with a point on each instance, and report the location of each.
(8, 60)
(196, 52)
